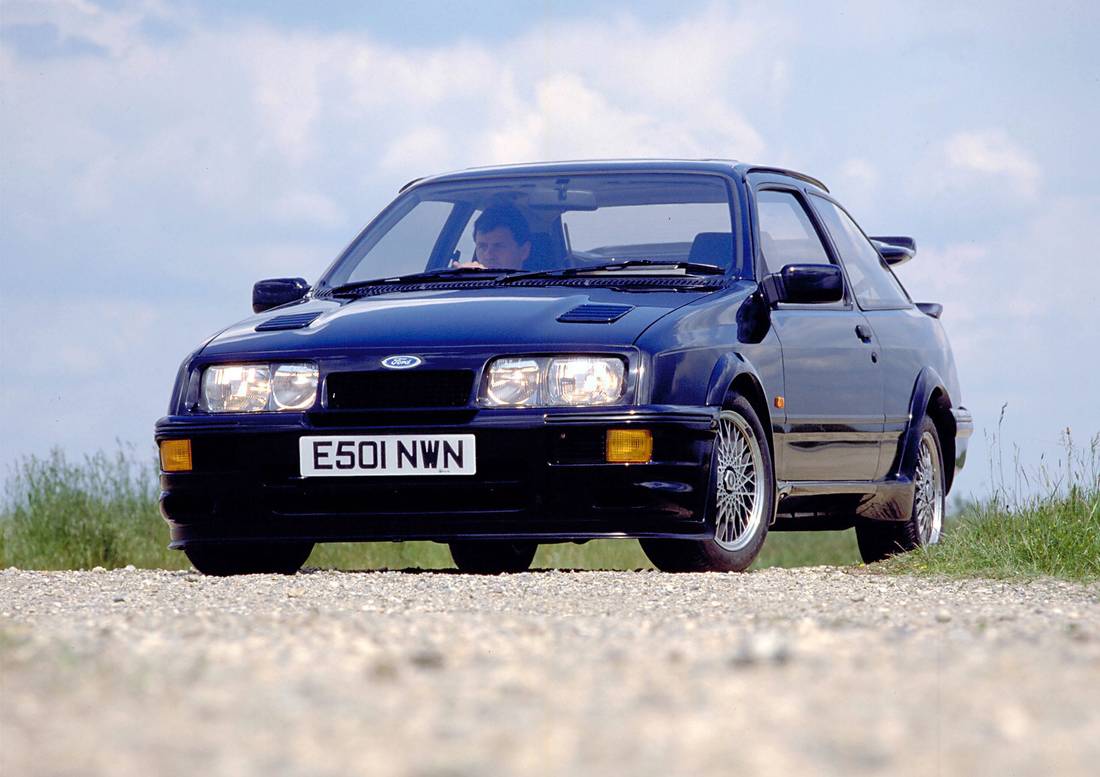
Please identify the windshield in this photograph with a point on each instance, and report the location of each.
(649, 223)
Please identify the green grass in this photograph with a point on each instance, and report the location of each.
(1059, 537)
(782, 549)
(808, 549)
(599, 554)
(1044, 522)
(102, 511)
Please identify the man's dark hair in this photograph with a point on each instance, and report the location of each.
(504, 215)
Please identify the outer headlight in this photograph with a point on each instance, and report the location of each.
(236, 388)
(584, 380)
(250, 388)
(529, 381)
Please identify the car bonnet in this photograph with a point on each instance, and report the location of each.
(541, 318)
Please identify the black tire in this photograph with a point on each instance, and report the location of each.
(249, 558)
(735, 553)
(492, 557)
(878, 540)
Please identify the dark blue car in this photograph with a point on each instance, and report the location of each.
(689, 353)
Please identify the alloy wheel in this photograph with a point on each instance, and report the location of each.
(929, 491)
(739, 486)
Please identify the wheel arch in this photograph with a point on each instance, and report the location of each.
(929, 399)
(733, 374)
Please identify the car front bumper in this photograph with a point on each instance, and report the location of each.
(541, 475)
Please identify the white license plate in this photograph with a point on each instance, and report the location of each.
(389, 455)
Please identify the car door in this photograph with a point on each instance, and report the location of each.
(908, 338)
(833, 385)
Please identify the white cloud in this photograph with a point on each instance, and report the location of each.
(856, 184)
(421, 148)
(569, 119)
(992, 153)
(80, 338)
(227, 119)
(308, 208)
(859, 172)
(1011, 290)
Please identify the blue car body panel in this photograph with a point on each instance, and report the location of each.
(840, 411)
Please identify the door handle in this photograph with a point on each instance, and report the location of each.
(863, 332)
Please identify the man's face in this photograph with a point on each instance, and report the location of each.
(497, 248)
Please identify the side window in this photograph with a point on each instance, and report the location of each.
(787, 236)
(873, 284)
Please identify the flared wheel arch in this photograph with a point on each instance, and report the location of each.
(929, 399)
(734, 376)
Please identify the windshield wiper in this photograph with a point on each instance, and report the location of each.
(614, 267)
(421, 277)
(497, 273)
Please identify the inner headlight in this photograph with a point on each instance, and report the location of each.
(250, 388)
(512, 382)
(548, 381)
(294, 386)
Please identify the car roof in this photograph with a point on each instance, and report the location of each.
(720, 166)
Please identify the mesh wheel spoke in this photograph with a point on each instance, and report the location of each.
(738, 497)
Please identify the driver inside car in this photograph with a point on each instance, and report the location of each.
(502, 240)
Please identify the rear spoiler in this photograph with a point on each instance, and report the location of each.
(895, 249)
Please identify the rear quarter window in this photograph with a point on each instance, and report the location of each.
(873, 283)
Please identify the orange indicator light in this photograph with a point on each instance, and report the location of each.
(629, 446)
(779, 402)
(175, 455)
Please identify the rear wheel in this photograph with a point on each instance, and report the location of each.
(249, 558)
(740, 504)
(492, 557)
(880, 540)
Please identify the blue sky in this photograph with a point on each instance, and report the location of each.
(157, 158)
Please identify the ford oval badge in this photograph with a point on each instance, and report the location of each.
(402, 362)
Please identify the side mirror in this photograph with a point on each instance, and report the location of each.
(806, 284)
(277, 291)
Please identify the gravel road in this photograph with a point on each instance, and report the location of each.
(810, 671)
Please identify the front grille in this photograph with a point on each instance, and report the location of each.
(378, 390)
(351, 419)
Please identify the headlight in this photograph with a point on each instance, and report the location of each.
(512, 382)
(294, 386)
(586, 380)
(547, 381)
(250, 388)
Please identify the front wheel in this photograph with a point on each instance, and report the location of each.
(740, 502)
(881, 539)
(249, 558)
(492, 557)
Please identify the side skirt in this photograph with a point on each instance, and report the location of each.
(819, 505)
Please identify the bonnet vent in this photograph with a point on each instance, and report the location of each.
(292, 321)
(595, 314)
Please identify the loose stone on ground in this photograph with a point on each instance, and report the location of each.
(781, 671)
